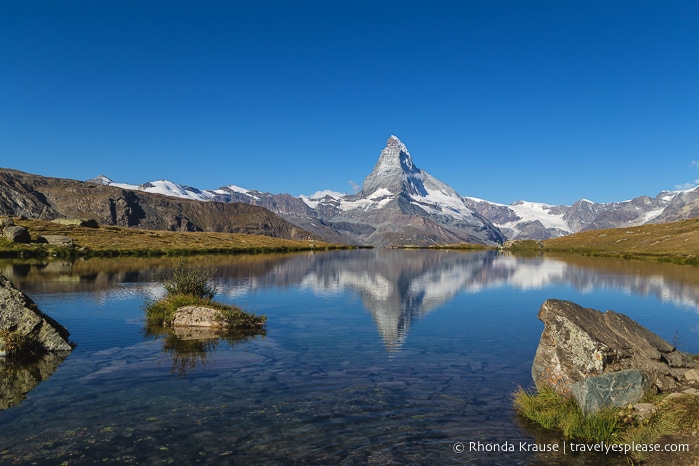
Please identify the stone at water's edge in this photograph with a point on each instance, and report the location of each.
(19, 315)
(578, 343)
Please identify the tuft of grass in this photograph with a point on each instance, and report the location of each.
(553, 411)
(543, 408)
(681, 412)
(189, 280)
(675, 415)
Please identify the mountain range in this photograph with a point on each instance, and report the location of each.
(399, 204)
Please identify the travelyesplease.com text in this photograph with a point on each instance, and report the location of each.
(567, 447)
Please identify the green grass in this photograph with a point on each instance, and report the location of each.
(676, 242)
(553, 411)
(675, 415)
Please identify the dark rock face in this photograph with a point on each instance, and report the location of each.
(578, 343)
(19, 316)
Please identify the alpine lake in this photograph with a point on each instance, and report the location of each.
(370, 357)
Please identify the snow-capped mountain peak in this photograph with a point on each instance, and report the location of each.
(394, 171)
(164, 187)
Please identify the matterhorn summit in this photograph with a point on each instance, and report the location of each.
(400, 204)
(394, 171)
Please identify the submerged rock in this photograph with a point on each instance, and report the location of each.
(579, 343)
(20, 319)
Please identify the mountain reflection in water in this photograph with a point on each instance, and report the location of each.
(396, 286)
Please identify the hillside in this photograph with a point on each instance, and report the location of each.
(122, 241)
(45, 198)
(679, 240)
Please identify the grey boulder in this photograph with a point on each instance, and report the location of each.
(19, 316)
(578, 343)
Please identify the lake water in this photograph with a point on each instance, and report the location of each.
(370, 357)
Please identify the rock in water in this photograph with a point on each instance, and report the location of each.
(578, 343)
(20, 317)
(196, 316)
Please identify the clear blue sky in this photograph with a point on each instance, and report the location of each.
(546, 101)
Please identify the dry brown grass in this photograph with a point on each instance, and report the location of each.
(676, 241)
(108, 241)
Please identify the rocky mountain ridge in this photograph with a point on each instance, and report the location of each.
(434, 211)
(34, 196)
(529, 220)
(398, 204)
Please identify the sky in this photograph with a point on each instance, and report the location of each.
(546, 101)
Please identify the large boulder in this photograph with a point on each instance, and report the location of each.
(78, 222)
(578, 343)
(17, 234)
(21, 319)
(56, 240)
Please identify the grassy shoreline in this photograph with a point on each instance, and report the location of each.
(110, 241)
(676, 242)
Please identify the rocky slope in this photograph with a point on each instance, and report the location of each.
(46, 198)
